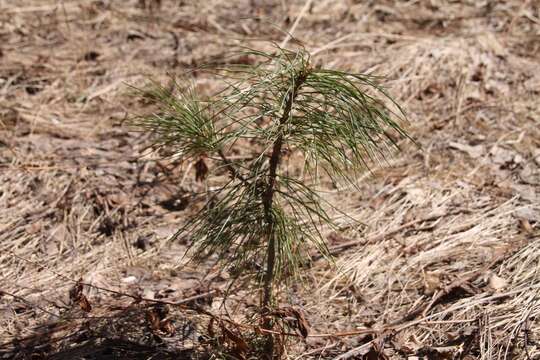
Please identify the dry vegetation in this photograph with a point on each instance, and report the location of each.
(445, 266)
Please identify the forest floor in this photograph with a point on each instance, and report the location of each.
(445, 265)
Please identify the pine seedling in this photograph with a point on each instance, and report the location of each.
(263, 219)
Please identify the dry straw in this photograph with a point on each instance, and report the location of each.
(75, 196)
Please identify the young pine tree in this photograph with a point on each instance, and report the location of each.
(263, 219)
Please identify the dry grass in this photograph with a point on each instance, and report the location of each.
(454, 269)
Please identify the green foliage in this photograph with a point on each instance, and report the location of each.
(279, 102)
(182, 122)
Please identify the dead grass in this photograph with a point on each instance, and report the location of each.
(76, 194)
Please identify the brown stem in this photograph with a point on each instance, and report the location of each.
(230, 166)
(268, 197)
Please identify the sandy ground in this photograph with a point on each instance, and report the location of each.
(445, 265)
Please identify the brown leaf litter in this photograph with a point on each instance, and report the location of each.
(444, 264)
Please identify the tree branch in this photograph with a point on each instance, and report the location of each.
(230, 166)
(268, 198)
(268, 195)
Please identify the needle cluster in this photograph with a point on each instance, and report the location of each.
(263, 219)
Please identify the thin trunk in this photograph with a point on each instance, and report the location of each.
(268, 198)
